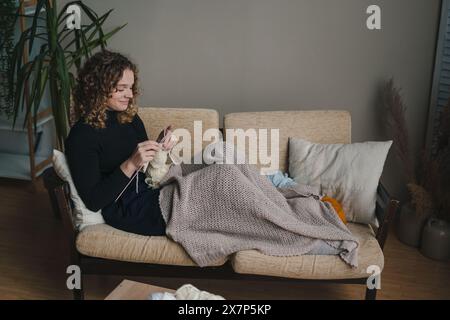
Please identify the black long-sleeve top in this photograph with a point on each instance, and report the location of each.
(95, 155)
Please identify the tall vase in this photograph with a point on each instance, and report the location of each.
(436, 239)
(409, 226)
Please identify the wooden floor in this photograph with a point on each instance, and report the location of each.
(33, 262)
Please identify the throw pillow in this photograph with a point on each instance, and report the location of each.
(348, 172)
(82, 215)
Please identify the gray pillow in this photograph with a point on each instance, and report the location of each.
(348, 172)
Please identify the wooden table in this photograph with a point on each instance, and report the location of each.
(132, 290)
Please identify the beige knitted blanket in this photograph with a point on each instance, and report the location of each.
(216, 210)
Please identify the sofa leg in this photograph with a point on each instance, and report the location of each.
(371, 294)
(78, 294)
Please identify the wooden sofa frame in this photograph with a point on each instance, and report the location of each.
(58, 191)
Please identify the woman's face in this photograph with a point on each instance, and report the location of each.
(120, 98)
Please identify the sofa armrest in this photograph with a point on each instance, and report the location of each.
(58, 191)
(386, 208)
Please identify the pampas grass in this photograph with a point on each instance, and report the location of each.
(396, 123)
(428, 183)
(421, 180)
(421, 199)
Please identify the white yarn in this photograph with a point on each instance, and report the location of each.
(162, 296)
(185, 292)
(189, 292)
(158, 168)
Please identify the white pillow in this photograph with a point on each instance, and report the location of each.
(348, 172)
(82, 216)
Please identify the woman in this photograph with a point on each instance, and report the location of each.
(109, 144)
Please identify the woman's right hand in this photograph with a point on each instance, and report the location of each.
(144, 153)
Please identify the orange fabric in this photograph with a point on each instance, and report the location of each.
(337, 207)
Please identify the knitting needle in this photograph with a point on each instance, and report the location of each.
(132, 178)
(164, 138)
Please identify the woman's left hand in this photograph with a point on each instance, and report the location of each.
(169, 142)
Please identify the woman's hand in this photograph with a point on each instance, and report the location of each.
(144, 153)
(165, 138)
(169, 143)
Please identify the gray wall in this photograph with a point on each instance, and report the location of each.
(252, 55)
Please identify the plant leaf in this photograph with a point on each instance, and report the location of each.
(40, 4)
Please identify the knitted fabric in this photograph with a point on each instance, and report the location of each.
(216, 210)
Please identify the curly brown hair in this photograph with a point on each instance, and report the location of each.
(96, 80)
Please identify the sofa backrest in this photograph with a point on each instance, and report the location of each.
(316, 126)
(156, 119)
(321, 126)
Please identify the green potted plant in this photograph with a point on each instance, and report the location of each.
(420, 176)
(61, 52)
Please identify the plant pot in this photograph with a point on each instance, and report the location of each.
(436, 239)
(409, 226)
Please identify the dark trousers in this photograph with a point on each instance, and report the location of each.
(137, 212)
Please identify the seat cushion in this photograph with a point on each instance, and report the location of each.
(104, 241)
(314, 266)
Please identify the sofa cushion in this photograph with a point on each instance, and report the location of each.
(321, 126)
(348, 172)
(81, 215)
(104, 241)
(314, 266)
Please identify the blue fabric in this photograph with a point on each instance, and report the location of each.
(281, 180)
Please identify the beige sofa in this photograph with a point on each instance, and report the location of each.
(100, 249)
